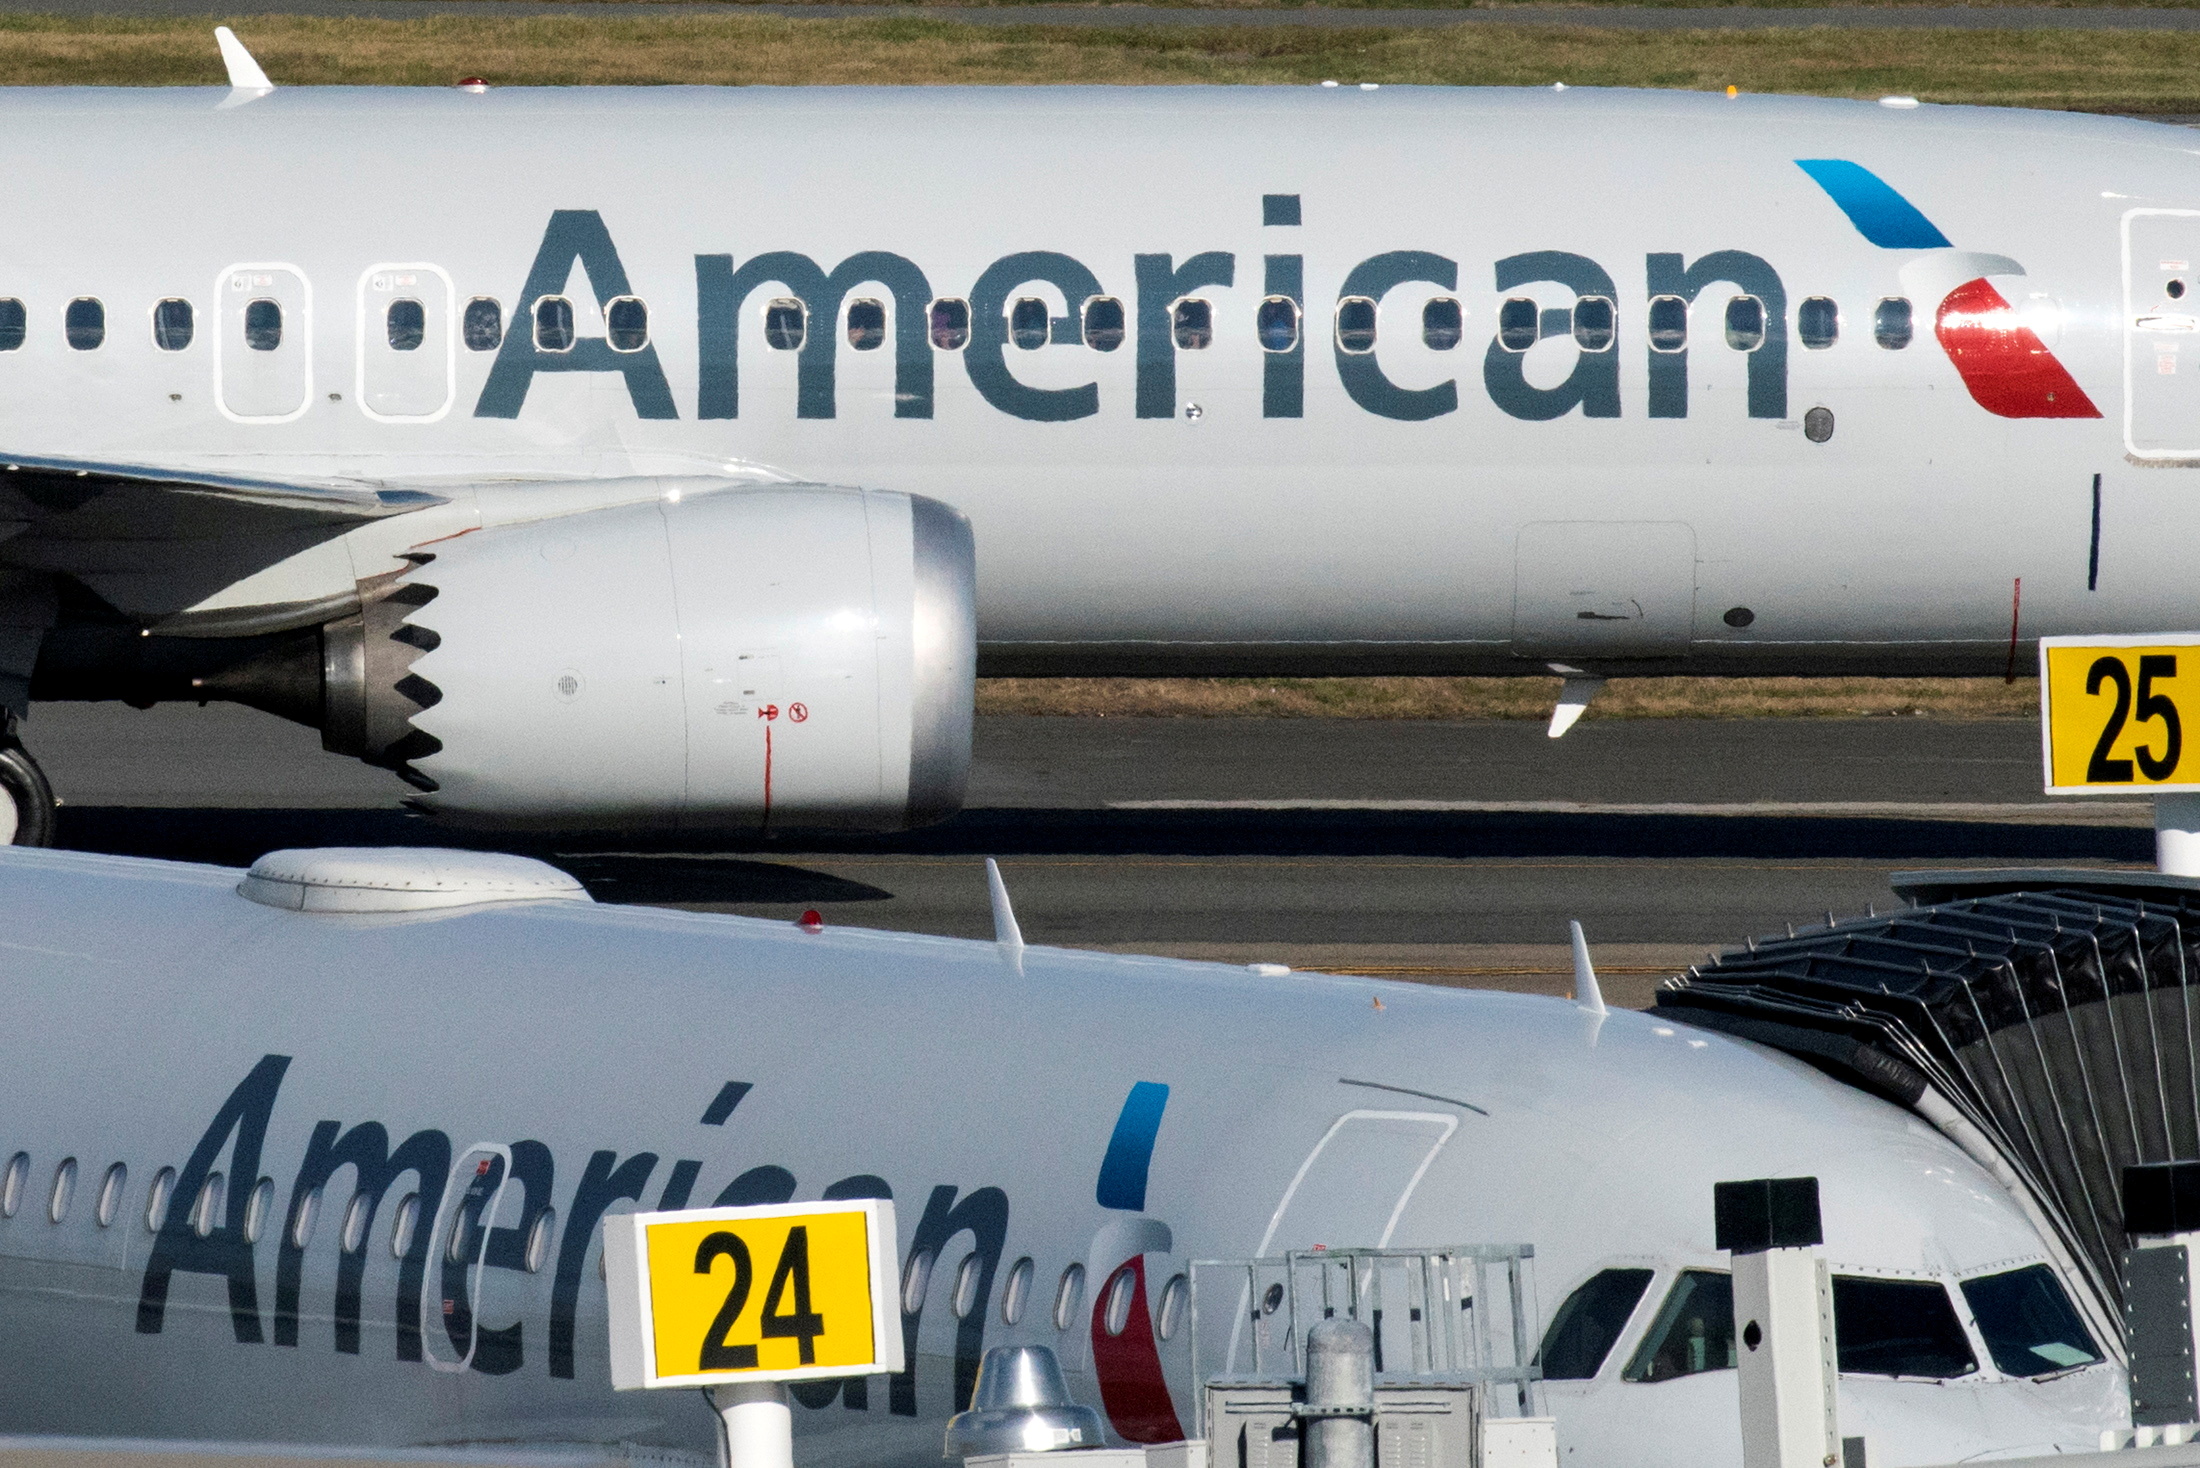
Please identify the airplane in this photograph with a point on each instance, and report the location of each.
(312, 1161)
(666, 459)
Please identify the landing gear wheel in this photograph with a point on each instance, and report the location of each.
(27, 813)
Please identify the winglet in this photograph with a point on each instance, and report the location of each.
(1586, 992)
(1006, 934)
(244, 73)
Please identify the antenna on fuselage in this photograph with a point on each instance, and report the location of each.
(246, 80)
(1586, 992)
(1006, 935)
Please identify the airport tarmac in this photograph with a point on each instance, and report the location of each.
(1452, 852)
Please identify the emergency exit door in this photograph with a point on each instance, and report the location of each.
(2162, 333)
(263, 343)
(408, 348)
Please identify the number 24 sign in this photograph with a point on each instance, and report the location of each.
(2113, 712)
(785, 1292)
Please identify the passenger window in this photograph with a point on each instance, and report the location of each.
(156, 1199)
(84, 323)
(866, 325)
(1193, 323)
(64, 1188)
(626, 324)
(406, 326)
(1818, 323)
(1586, 1327)
(1891, 323)
(1103, 323)
(1518, 324)
(1745, 323)
(1356, 325)
(1277, 324)
(1593, 323)
(172, 324)
(1898, 1327)
(263, 324)
(1668, 324)
(14, 322)
(11, 1184)
(404, 1225)
(1027, 323)
(786, 324)
(2028, 1322)
(950, 324)
(1442, 324)
(1694, 1331)
(206, 1208)
(553, 324)
(483, 325)
(110, 1195)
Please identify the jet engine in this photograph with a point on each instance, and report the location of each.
(715, 658)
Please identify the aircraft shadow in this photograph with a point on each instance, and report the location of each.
(683, 868)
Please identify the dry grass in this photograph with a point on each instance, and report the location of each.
(1508, 698)
(2101, 70)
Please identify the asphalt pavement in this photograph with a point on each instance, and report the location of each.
(1453, 852)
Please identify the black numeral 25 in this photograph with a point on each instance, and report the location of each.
(2103, 770)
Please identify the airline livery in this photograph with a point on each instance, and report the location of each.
(312, 1165)
(662, 458)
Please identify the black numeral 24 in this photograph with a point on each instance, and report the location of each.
(803, 1325)
(2103, 770)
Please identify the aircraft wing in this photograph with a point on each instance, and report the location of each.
(36, 487)
(152, 540)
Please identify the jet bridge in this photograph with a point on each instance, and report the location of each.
(2044, 1020)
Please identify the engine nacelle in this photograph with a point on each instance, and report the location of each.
(796, 656)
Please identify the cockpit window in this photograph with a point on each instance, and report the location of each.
(1898, 1327)
(1583, 1331)
(1694, 1331)
(2029, 1325)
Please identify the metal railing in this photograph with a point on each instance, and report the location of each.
(1464, 1313)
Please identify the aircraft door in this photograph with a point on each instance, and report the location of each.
(2162, 333)
(263, 351)
(451, 1309)
(408, 351)
(1594, 589)
(1353, 1187)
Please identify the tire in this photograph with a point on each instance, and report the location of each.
(27, 814)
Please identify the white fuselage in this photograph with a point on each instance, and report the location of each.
(163, 1021)
(1163, 505)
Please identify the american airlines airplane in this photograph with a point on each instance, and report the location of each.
(671, 458)
(311, 1163)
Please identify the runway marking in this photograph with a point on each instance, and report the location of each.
(1915, 810)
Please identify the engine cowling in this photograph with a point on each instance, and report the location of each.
(716, 658)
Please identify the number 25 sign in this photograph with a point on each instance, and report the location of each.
(786, 1292)
(2113, 712)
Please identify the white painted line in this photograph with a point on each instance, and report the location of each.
(1917, 810)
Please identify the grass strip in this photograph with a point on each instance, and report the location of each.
(2133, 71)
(1508, 698)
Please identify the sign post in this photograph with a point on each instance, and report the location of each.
(741, 1301)
(2112, 722)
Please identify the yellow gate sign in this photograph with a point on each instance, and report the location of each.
(784, 1292)
(2113, 713)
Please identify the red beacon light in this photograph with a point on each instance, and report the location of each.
(474, 85)
(811, 922)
